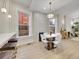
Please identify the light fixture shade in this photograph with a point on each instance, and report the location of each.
(9, 16)
(50, 15)
(54, 21)
(4, 10)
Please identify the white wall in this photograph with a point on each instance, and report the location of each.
(61, 22)
(40, 23)
(68, 23)
(4, 25)
(65, 21)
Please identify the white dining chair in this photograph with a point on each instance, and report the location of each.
(57, 40)
(43, 39)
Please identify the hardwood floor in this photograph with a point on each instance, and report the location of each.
(67, 49)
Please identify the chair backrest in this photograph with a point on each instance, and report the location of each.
(45, 34)
(42, 37)
(58, 38)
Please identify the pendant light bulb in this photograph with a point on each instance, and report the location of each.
(50, 15)
(3, 10)
(9, 16)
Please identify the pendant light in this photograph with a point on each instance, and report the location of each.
(4, 9)
(9, 15)
(50, 15)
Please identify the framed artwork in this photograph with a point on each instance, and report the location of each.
(23, 24)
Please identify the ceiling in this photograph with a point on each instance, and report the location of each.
(67, 7)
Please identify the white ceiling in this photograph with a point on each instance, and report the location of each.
(40, 4)
(25, 3)
(67, 7)
(71, 9)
